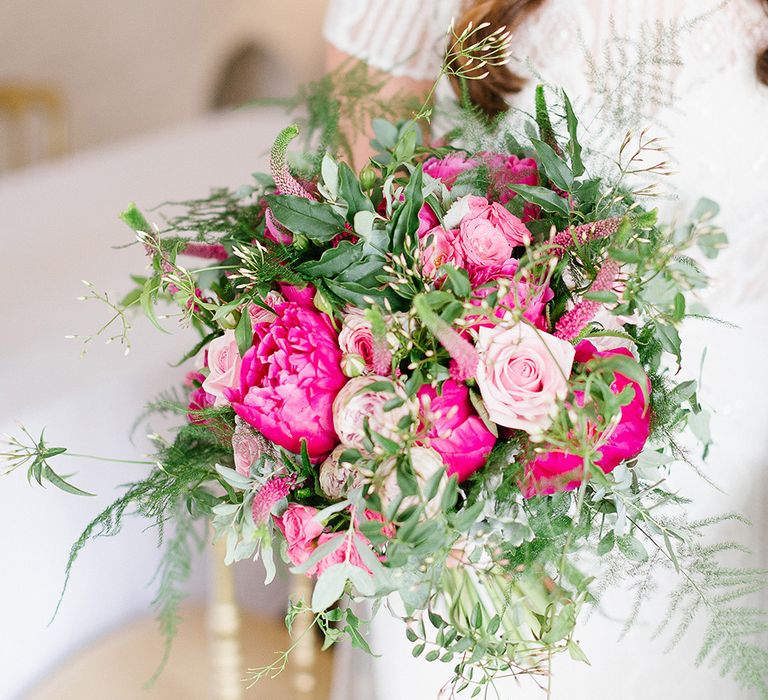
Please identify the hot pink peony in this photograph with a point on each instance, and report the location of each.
(289, 379)
(223, 367)
(522, 375)
(561, 471)
(448, 168)
(454, 429)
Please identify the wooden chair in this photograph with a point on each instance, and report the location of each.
(21, 106)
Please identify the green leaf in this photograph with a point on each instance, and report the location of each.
(333, 261)
(60, 483)
(458, 281)
(554, 166)
(351, 193)
(632, 548)
(541, 196)
(577, 653)
(669, 338)
(315, 220)
(330, 586)
(149, 297)
(606, 544)
(405, 221)
(573, 147)
(561, 625)
(244, 333)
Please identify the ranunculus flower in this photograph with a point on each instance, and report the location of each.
(224, 364)
(354, 404)
(523, 374)
(521, 295)
(199, 398)
(346, 552)
(454, 429)
(301, 530)
(259, 314)
(356, 343)
(448, 168)
(289, 379)
(562, 471)
(336, 477)
(438, 247)
(488, 233)
(247, 447)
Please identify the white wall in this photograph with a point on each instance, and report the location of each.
(127, 67)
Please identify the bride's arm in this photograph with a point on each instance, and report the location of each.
(403, 38)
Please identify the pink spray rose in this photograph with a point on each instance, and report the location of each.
(488, 233)
(259, 314)
(529, 297)
(454, 428)
(289, 379)
(558, 471)
(224, 364)
(523, 374)
(354, 405)
(301, 531)
(438, 247)
(448, 168)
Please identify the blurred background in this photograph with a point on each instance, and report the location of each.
(102, 103)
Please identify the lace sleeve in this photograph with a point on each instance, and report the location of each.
(402, 37)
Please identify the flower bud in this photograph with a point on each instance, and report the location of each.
(367, 177)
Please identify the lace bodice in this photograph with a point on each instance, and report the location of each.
(685, 68)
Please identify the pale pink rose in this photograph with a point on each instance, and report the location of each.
(463, 207)
(301, 530)
(259, 314)
(224, 364)
(487, 235)
(346, 552)
(354, 405)
(247, 447)
(522, 375)
(438, 247)
(356, 343)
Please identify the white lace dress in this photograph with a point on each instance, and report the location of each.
(686, 69)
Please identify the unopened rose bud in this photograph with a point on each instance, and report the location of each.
(353, 365)
(367, 177)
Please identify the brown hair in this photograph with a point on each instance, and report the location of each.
(490, 94)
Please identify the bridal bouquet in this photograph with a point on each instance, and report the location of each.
(447, 383)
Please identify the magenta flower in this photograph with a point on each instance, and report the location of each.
(199, 398)
(563, 471)
(454, 429)
(448, 168)
(289, 379)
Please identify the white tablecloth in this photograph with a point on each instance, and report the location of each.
(58, 224)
